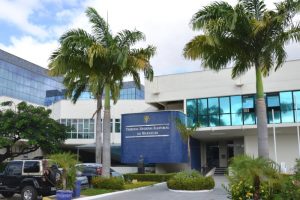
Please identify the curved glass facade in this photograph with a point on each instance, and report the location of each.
(240, 110)
(25, 81)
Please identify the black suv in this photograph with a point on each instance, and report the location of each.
(30, 178)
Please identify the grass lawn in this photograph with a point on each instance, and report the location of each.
(128, 186)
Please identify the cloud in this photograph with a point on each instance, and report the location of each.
(31, 49)
(17, 13)
(165, 24)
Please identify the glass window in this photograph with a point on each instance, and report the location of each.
(273, 101)
(237, 119)
(111, 125)
(203, 120)
(14, 168)
(214, 120)
(225, 120)
(202, 107)
(224, 105)
(213, 106)
(276, 119)
(31, 166)
(236, 104)
(191, 110)
(249, 118)
(117, 126)
(297, 105)
(248, 102)
(286, 106)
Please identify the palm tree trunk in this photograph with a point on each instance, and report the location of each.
(256, 195)
(261, 113)
(98, 153)
(106, 134)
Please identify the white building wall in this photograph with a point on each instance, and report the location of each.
(287, 148)
(213, 84)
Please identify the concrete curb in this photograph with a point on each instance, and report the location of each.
(191, 191)
(118, 192)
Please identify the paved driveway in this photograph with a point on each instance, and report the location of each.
(161, 192)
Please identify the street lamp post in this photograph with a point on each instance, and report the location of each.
(297, 123)
(274, 136)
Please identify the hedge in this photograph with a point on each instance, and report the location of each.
(113, 183)
(148, 177)
(190, 180)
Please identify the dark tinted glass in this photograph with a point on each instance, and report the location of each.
(31, 166)
(14, 168)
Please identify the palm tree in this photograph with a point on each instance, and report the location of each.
(246, 35)
(253, 170)
(71, 60)
(98, 62)
(186, 133)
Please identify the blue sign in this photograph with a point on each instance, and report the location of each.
(154, 136)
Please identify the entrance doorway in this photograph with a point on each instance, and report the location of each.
(212, 155)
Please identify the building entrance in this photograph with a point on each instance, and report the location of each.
(212, 156)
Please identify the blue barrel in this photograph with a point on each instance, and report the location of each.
(76, 191)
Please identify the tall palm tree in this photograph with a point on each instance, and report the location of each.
(98, 62)
(247, 35)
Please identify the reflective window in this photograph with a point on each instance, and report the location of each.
(296, 96)
(237, 119)
(214, 120)
(286, 106)
(225, 120)
(191, 108)
(224, 105)
(202, 107)
(213, 106)
(273, 105)
(249, 110)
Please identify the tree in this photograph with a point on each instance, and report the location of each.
(256, 38)
(98, 62)
(186, 133)
(28, 128)
(253, 170)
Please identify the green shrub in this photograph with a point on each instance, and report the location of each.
(190, 180)
(149, 177)
(2, 166)
(113, 183)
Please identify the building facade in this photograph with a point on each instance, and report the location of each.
(21, 80)
(225, 110)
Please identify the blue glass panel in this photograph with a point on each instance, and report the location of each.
(214, 120)
(224, 105)
(286, 106)
(296, 99)
(297, 115)
(237, 119)
(225, 120)
(248, 102)
(276, 117)
(191, 110)
(203, 121)
(249, 118)
(273, 101)
(202, 107)
(213, 106)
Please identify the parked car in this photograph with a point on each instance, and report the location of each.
(30, 178)
(91, 170)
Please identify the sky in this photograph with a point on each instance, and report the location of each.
(30, 29)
